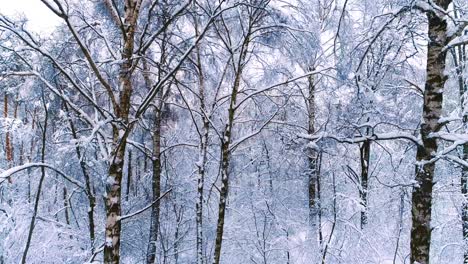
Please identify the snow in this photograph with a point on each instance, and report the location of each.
(108, 242)
(267, 210)
(110, 180)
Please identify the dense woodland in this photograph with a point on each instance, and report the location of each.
(235, 131)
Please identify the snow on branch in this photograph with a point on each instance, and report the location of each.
(453, 137)
(457, 41)
(354, 140)
(4, 175)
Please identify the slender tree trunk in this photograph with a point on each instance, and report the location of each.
(432, 109)
(8, 147)
(464, 191)
(222, 199)
(202, 156)
(179, 217)
(319, 201)
(88, 183)
(129, 175)
(200, 186)
(156, 187)
(312, 155)
(226, 154)
(30, 156)
(464, 154)
(365, 158)
(39, 187)
(330, 237)
(156, 162)
(12, 147)
(202, 153)
(66, 205)
(400, 224)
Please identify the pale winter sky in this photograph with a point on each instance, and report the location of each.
(40, 18)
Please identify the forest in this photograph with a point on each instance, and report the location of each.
(235, 131)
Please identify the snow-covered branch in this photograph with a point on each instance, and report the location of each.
(360, 139)
(4, 175)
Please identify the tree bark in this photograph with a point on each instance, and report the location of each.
(113, 200)
(88, 182)
(364, 151)
(464, 154)
(432, 109)
(464, 191)
(8, 147)
(119, 138)
(39, 187)
(129, 175)
(156, 187)
(319, 204)
(226, 152)
(312, 155)
(202, 153)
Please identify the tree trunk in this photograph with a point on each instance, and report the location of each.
(319, 204)
(156, 187)
(312, 155)
(119, 138)
(432, 109)
(66, 205)
(202, 159)
(202, 154)
(129, 175)
(39, 187)
(364, 151)
(222, 198)
(88, 182)
(464, 191)
(113, 200)
(226, 153)
(464, 154)
(8, 147)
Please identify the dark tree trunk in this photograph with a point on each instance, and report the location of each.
(432, 109)
(66, 205)
(202, 154)
(39, 187)
(129, 175)
(8, 147)
(312, 155)
(464, 191)
(365, 158)
(156, 187)
(88, 182)
(226, 153)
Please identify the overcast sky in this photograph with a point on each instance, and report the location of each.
(40, 18)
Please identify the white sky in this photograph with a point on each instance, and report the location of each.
(41, 19)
